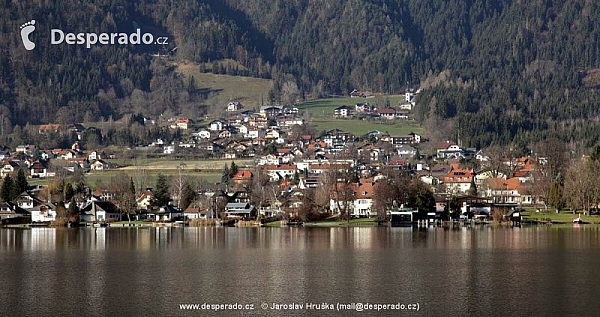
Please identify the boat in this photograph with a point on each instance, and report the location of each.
(100, 224)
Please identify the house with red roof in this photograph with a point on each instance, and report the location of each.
(356, 198)
(458, 180)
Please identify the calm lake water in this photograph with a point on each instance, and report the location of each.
(539, 271)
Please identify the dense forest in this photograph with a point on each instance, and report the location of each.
(501, 71)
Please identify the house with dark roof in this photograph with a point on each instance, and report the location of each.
(166, 213)
(239, 210)
(10, 210)
(387, 113)
(99, 211)
(343, 112)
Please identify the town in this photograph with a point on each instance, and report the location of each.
(289, 172)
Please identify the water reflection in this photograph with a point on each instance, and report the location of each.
(447, 270)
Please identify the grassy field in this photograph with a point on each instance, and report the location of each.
(562, 217)
(205, 171)
(323, 108)
(224, 88)
(193, 165)
(360, 127)
(321, 114)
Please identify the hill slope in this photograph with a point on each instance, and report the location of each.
(503, 70)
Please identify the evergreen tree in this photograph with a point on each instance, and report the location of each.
(225, 176)
(187, 196)
(21, 182)
(73, 209)
(68, 191)
(233, 169)
(7, 189)
(161, 196)
(555, 198)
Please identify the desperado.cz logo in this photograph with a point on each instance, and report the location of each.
(57, 37)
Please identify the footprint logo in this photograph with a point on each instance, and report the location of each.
(27, 29)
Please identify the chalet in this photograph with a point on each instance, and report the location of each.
(43, 212)
(279, 172)
(166, 213)
(406, 151)
(239, 210)
(216, 125)
(398, 140)
(197, 213)
(99, 211)
(271, 134)
(94, 155)
(372, 152)
(233, 106)
(268, 159)
(9, 167)
(26, 200)
(203, 134)
(408, 106)
(169, 149)
(39, 169)
(47, 128)
(181, 123)
(242, 129)
(447, 150)
(336, 137)
(144, 199)
(357, 198)
(26, 149)
(289, 122)
(509, 191)
(99, 165)
(225, 134)
(270, 111)
(255, 133)
(242, 176)
(10, 210)
(458, 180)
(387, 113)
(64, 154)
(342, 112)
(364, 107)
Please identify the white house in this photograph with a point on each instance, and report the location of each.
(99, 165)
(197, 213)
(169, 149)
(216, 125)
(203, 134)
(166, 213)
(44, 212)
(39, 169)
(99, 211)
(360, 202)
(234, 106)
(93, 156)
(342, 111)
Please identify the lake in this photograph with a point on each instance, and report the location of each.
(480, 271)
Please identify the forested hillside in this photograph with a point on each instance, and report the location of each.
(499, 71)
